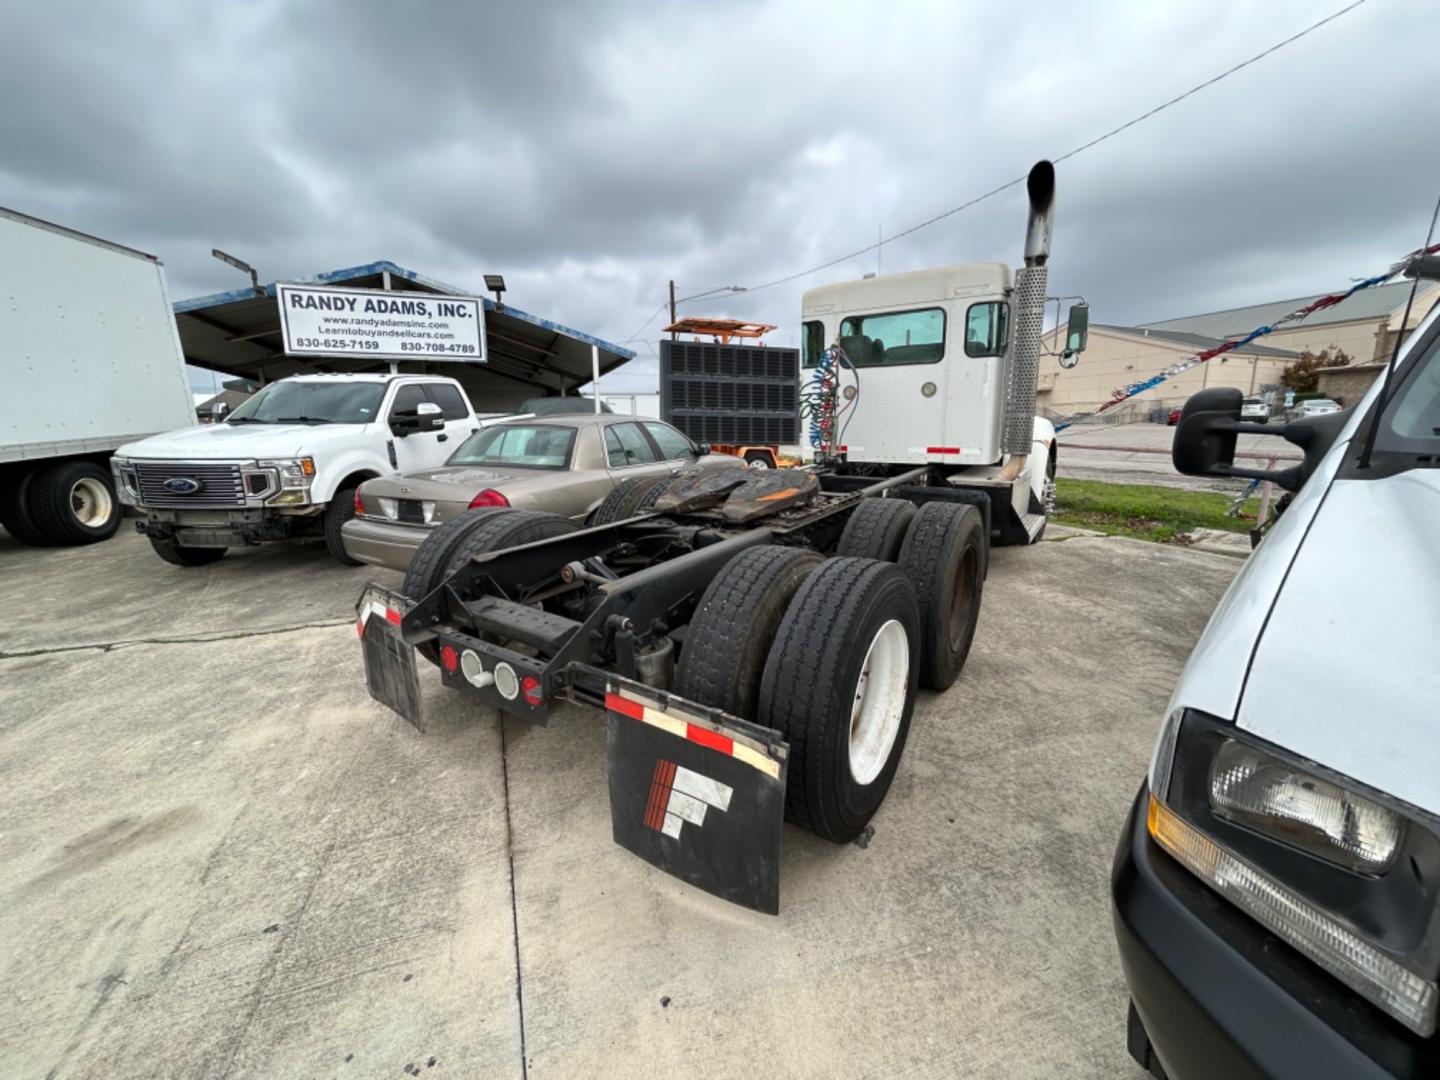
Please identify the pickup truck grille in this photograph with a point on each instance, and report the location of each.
(220, 484)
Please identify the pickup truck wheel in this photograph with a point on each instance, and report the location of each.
(624, 500)
(74, 502)
(730, 635)
(15, 508)
(427, 565)
(944, 554)
(180, 555)
(840, 686)
(876, 529)
(339, 510)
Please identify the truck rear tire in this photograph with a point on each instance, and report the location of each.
(734, 625)
(73, 502)
(427, 565)
(840, 686)
(509, 528)
(180, 555)
(624, 500)
(876, 529)
(15, 508)
(339, 510)
(944, 554)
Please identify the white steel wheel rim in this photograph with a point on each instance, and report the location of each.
(879, 702)
(758, 463)
(90, 502)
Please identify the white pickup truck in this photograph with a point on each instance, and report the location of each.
(286, 463)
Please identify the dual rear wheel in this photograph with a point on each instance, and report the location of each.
(830, 652)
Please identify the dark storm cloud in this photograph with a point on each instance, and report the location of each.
(592, 151)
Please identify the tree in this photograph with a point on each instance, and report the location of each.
(1301, 375)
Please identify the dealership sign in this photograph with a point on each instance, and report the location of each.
(318, 321)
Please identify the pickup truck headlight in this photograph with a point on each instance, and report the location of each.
(1285, 805)
(127, 485)
(296, 475)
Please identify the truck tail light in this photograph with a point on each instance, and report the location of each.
(489, 497)
(359, 502)
(530, 688)
(449, 658)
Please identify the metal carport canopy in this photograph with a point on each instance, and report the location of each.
(238, 333)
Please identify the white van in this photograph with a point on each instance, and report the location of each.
(1275, 891)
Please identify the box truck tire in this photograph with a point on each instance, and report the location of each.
(73, 502)
(15, 507)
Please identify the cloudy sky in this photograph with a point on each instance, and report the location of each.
(592, 151)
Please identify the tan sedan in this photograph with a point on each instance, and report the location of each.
(561, 464)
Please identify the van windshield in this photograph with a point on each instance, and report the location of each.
(1412, 417)
(311, 403)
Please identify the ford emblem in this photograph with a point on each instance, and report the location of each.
(183, 485)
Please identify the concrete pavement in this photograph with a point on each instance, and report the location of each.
(219, 858)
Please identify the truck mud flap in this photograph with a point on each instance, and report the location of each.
(389, 661)
(696, 792)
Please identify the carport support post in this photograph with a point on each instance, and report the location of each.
(595, 374)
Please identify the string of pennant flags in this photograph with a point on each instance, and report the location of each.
(1125, 393)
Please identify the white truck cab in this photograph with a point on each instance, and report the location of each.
(1277, 890)
(938, 368)
(285, 464)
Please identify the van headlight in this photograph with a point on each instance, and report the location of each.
(1203, 779)
(1255, 789)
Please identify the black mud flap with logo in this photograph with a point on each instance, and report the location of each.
(389, 662)
(696, 792)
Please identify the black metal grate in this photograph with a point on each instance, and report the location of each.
(731, 394)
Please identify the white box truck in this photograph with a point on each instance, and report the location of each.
(89, 360)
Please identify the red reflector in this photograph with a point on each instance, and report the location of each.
(392, 615)
(706, 737)
(530, 688)
(359, 502)
(942, 450)
(450, 658)
(489, 497)
(624, 706)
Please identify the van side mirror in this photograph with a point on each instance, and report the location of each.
(1205, 440)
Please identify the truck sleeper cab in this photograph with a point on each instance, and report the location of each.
(286, 463)
(1276, 889)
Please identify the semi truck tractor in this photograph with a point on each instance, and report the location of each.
(939, 368)
(90, 360)
(755, 639)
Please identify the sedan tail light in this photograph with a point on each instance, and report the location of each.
(489, 497)
(359, 502)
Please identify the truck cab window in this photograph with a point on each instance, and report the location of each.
(894, 338)
(452, 405)
(987, 329)
(812, 342)
(407, 398)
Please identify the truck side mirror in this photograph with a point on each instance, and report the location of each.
(429, 415)
(1077, 330)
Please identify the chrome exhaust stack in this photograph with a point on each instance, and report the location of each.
(1027, 321)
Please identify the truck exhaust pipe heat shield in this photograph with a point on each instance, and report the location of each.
(1027, 322)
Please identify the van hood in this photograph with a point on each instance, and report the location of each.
(211, 441)
(1347, 668)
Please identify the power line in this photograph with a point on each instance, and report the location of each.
(1069, 154)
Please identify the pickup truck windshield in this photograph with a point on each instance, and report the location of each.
(312, 402)
(1412, 418)
(526, 446)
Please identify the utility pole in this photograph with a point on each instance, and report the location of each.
(673, 335)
